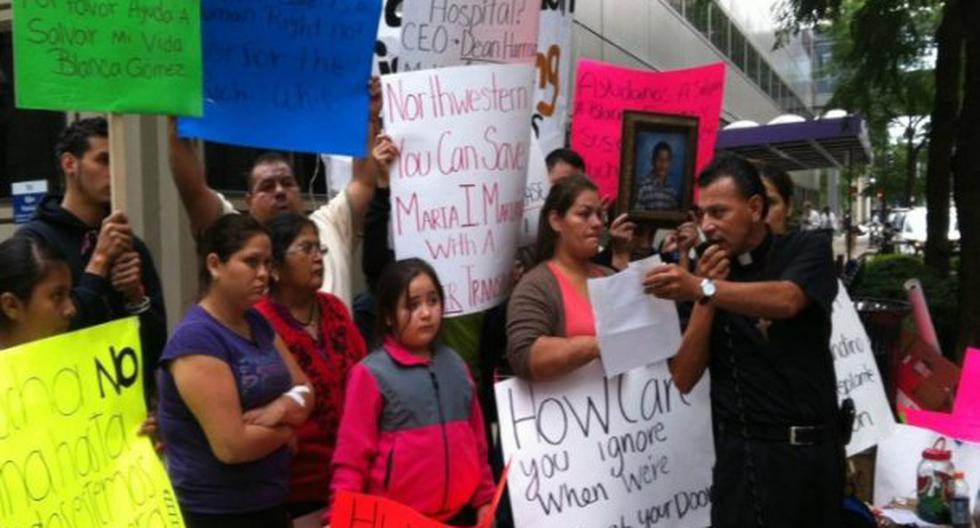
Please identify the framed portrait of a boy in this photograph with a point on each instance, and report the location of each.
(656, 178)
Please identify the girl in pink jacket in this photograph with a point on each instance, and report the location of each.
(412, 429)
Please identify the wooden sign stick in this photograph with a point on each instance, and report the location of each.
(117, 161)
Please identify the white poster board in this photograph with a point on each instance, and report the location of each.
(588, 451)
(388, 45)
(457, 189)
(550, 120)
(535, 191)
(898, 458)
(554, 67)
(857, 376)
(437, 33)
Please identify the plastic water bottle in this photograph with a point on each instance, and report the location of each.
(959, 508)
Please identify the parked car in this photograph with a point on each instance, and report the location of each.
(911, 235)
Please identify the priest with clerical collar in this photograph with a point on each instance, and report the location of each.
(761, 322)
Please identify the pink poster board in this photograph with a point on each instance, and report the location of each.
(964, 422)
(604, 91)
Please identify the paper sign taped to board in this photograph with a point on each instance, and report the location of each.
(132, 57)
(69, 450)
(457, 189)
(593, 452)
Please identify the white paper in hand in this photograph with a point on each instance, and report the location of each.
(633, 328)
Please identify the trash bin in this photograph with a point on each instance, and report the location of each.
(882, 320)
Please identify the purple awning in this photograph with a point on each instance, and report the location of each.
(817, 144)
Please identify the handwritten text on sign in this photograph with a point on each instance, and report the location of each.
(103, 55)
(458, 186)
(550, 119)
(355, 510)
(603, 92)
(276, 72)
(592, 452)
(553, 66)
(69, 453)
(437, 33)
(858, 377)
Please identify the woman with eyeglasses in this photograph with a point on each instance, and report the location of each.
(318, 330)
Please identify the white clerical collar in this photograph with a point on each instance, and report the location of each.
(745, 259)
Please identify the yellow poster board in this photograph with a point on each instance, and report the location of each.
(70, 456)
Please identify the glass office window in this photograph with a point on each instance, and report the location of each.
(698, 11)
(719, 29)
(738, 49)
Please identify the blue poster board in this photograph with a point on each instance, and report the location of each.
(287, 75)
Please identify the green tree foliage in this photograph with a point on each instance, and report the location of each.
(884, 44)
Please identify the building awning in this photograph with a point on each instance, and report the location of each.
(830, 142)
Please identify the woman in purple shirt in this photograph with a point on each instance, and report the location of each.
(230, 392)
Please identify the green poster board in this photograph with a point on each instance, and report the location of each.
(124, 56)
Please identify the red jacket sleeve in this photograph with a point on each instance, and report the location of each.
(357, 438)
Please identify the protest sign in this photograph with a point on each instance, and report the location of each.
(857, 376)
(535, 191)
(633, 328)
(550, 119)
(438, 33)
(69, 452)
(356, 510)
(595, 452)
(554, 66)
(141, 56)
(290, 76)
(388, 44)
(457, 189)
(604, 91)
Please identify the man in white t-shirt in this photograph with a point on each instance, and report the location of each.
(273, 189)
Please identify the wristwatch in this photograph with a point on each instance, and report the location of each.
(708, 290)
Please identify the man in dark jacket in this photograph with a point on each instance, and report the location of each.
(112, 270)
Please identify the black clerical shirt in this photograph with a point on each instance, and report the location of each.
(778, 372)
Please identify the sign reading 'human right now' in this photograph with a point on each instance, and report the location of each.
(136, 56)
